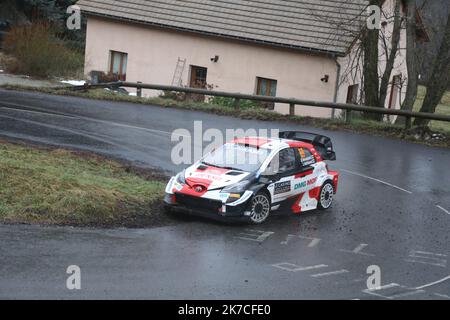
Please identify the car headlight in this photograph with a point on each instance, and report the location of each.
(239, 187)
(181, 177)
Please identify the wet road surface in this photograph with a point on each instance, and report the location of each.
(391, 210)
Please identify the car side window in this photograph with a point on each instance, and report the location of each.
(306, 157)
(283, 162)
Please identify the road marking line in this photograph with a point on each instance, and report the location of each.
(255, 235)
(387, 286)
(442, 295)
(295, 268)
(446, 211)
(443, 265)
(360, 247)
(431, 253)
(326, 274)
(98, 120)
(288, 238)
(406, 294)
(433, 283)
(358, 250)
(377, 180)
(434, 259)
(313, 243)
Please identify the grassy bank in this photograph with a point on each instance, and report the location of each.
(59, 187)
(442, 108)
(358, 124)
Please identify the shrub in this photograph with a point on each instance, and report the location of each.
(173, 95)
(40, 53)
(229, 102)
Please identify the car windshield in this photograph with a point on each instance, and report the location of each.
(237, 157)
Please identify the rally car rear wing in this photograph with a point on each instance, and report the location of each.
(322, 144)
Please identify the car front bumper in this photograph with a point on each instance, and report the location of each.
(207, 208)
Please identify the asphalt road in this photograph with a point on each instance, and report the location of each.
(392, 210)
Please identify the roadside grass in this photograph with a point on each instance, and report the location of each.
(443, 108)
(358, 124)
(60, 187)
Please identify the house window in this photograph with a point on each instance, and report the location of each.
(198, 77)
(395, 91)
(352, 94)
(266, 87)
(118, 64)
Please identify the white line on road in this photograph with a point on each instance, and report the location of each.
(430, 253)
(433, 283)
(446, 211)
(424, 257)
(377, 180)
(406, 294)
(314, 243)
(295, 268)
(442, 295)
(332, 273)
(374, 292)
(360, 247)
(288, 238)
(358, 250)
(98, 120)
(386, 286)
(255, 235)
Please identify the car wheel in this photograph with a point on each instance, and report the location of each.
(326, 196)
(260, 208)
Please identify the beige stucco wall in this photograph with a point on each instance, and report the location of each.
(153, 54)
(351, 67)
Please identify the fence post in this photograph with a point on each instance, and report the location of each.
(348, 116)
(139, 90)
(408, 123)
(237, 103)
(292, 109)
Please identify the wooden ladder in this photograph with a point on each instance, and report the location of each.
(178, 74)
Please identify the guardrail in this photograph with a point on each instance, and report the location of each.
(292, 102)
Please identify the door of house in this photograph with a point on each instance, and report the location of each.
(198, 80)
(352, 94)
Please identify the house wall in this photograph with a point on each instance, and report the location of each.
(351, 66)
(153, 54)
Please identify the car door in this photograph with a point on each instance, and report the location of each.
(306, 176)
(283, 167)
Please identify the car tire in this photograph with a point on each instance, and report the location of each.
(259, 208)
(326, 196)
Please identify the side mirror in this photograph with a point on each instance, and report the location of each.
(330, 155)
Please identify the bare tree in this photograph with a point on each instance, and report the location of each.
(411, 60)
(437, 85)
(392, 55)
(369, 42)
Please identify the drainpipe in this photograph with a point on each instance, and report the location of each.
(336, 89)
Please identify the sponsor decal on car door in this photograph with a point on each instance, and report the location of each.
(286, 162)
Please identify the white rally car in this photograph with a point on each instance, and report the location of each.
(248, 178)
